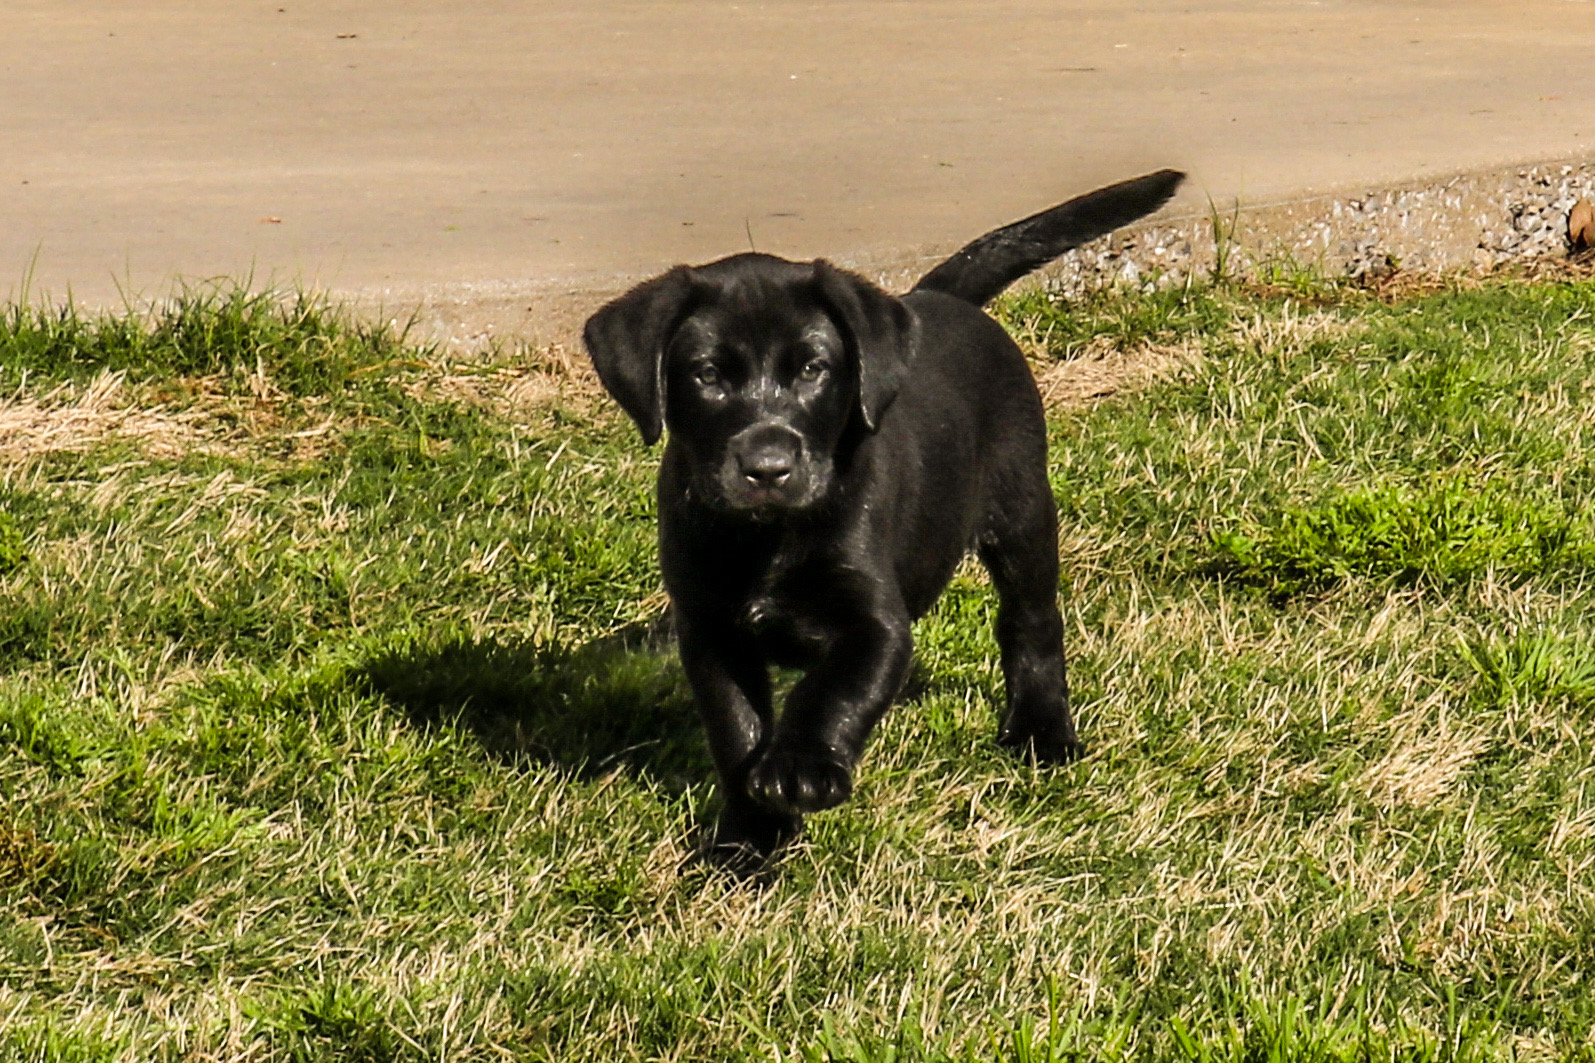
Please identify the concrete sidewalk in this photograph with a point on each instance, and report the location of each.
(492, 150)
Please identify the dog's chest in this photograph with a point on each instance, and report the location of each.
(793, 612)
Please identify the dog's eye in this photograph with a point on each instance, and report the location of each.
(707, 375)
(814, 369)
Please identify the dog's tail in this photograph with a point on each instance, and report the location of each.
(991, 263)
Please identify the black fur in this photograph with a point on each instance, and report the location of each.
(834, 452)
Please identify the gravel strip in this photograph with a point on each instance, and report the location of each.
(1469, 222)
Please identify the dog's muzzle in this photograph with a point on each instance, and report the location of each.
(765, 469)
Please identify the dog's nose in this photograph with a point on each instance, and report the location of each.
(766, 467)
(764, 457)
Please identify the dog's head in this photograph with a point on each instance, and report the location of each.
(759, 367)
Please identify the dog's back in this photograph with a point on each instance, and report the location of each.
(969, 435)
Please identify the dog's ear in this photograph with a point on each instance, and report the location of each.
(882, 331)
(627, 338)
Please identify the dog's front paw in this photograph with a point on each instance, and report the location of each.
(799, 781)
(1047, 741)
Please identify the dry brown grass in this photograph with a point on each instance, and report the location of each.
(207, 415)
(78, 418)
(1289, 331)
(1102, 369)
(532, 378)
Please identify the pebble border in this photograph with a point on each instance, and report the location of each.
(1469, 222)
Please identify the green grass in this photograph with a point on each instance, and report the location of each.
(304, 344)
(1442, 533)
(11, 552)
(336, 722)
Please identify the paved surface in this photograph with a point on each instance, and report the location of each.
(487, 149)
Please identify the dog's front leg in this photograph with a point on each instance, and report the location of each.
(731, 684)
(808, 764)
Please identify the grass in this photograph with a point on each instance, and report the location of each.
(336, 722)
(306, 345)
(1442, 533)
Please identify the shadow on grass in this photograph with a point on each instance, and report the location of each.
(618, 702)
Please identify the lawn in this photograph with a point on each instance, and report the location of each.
(338, 719)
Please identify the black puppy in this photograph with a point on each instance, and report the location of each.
(834, 451)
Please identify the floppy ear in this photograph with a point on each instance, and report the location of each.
(626, 340)
(882, 331)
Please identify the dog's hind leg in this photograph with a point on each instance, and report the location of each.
(1020, 550)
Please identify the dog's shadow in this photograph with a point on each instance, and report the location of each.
(616, 703)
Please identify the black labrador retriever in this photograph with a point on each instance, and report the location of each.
(834, 452)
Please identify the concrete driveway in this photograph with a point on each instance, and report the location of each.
(483, 147)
